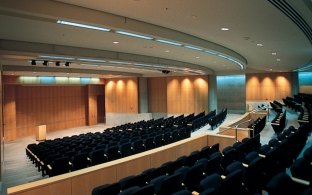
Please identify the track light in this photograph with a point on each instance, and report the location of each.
(67, 63)
(57, 63)
(33, 62)
(45, 63)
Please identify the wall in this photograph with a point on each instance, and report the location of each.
(58, 107)
(157, 95)
(187, 94)
(121, 95)
(93, 91)
(231, 93)
(305, 82)
(268, 86)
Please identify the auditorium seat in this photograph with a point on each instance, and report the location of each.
(138, 146)
(58, 166)
(79, 161)
(126, 149)
(170, 184)
(97, 157)
(111, 189)
(213, 181)
(193, 176)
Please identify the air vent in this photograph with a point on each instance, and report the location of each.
(289, 11)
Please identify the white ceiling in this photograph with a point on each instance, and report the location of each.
(29, 29)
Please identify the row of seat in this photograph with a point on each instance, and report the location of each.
(276, 106)
(279, 122)
(258, 125)
(54, 157)
(292, 103)
(184, 173)
(217, 119)
(202, 121)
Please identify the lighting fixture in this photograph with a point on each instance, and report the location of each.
(210, 52)
(197, 57)
(232, 60)
(193, 48)
(167, 51)
(119, 62)
(169, 42)
(274, 53)
(57, 57)
(278, 60)
(225, 29)
(33, 62)
(115, 42)
(45, 63)
(259, 44)
(83, 25)
(88, 64)
(133, 35)
(91, 60)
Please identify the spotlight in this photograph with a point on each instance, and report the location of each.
(57, 63)
(165, 71)
(33, 62)
(67, 63)
(45, 63)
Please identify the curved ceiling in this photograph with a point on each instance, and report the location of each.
(259, 38)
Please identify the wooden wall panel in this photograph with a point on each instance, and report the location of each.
(268, 86)
(9, 111)
(157, 95)
(58, 107)
(187, 94)
(121, 95)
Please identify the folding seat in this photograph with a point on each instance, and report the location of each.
(193, 177)
(214, 148)
(145, 190)
(129, 191)
(157, 182)
(214, 164)
(138, 146)
(233, 184)
(204, 152)
(282, 183)
(111, 189)
(126, 149)
(136, 180)
(113, 153)
(79, 161)
(251, 156)
(192, 158)
(234, 166)
(209, 191)
(97, 157)
(58, 166)
(167, 138)
(149, 143)
(229, 156)
(170, 184)
(175, 135)
(159, 140)
(211, 181)
(182, 192)
(302, 169)
(240, 150)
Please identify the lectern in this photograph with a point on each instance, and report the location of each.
(41, 133)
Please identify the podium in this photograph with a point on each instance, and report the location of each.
(41, 133)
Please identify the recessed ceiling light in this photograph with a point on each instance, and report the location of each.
(116, 42)
(274, 53)
(259, 44)
(270, 69)
(278, 59)
(197, 57)
(167, 51)
(194, 16)
(225, 29)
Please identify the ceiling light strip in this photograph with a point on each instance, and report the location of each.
(83, 25)
(193, 48)
(91, 60)
(169, 42)
(133, 35)
(56, 57)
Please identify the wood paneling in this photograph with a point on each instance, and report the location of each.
(269, 86)
(187, 94)
(157, 95)
(58, 107)
(9, 111)
(121, 95)
(93, 91)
